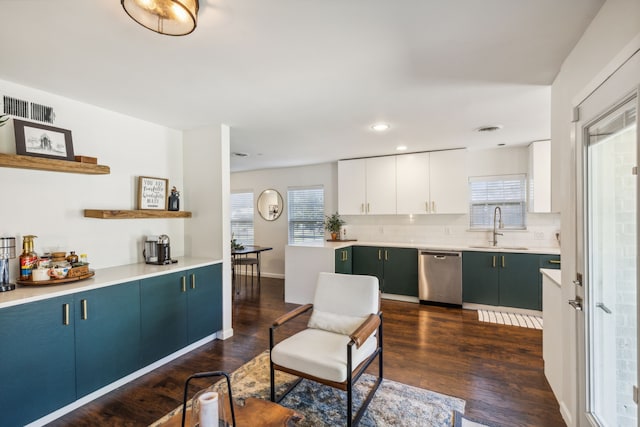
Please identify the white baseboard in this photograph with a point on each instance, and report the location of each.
(224, 334)
(119, 383)
(566, 414)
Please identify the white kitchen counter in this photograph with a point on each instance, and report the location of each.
(104, 277)
(436, 246)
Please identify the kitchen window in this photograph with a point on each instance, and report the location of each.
(306, 214)
(242, 217)
(488, 192)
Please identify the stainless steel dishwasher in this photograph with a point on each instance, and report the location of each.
(440, 277)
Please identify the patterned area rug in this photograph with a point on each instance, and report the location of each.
(394, 404)
(511, 319)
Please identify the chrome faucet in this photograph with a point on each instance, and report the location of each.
(500, 224)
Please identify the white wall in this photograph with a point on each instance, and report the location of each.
(616, 26)
(275, 233)
(50, 204)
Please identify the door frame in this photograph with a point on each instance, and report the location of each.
(619, 89)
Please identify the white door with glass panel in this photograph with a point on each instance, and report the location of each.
(607, 281)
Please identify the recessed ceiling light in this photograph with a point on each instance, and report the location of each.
(380, 127)
(238, 154)
(401, 148)
(502, 144)
(491, 128)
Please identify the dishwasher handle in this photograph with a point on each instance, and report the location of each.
(440, 255)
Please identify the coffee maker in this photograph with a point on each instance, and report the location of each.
(7, 252)
(157, 250)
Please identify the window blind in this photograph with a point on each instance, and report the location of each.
(242, 217)
(488, 192)
(306, 214)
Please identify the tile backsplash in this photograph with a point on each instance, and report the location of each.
(449, 230)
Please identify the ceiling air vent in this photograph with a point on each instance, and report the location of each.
(15, 107)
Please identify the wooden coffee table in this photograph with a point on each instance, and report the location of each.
(254, 413)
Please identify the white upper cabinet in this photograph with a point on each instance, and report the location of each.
(381, 185)
(540, 176)
(367, 186)
(352, 187)
(449, 182)
(412, 183)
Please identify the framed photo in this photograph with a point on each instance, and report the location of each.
(35, 139)
(152, 193)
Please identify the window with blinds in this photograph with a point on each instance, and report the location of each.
(506, 191)
(306, 214)
(242, 217)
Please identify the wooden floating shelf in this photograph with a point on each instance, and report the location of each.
(40, 163)
(133, 214)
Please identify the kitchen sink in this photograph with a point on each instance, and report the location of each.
(507, 248)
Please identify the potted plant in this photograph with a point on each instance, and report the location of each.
(332, 224)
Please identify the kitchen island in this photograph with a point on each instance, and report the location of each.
(304, 262)
(70, 343)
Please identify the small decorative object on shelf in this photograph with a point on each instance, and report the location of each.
(3, 119)
(152, 193)
(38, 140)
(174, 199)
(332, 224)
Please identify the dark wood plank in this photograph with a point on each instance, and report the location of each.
(497, 369)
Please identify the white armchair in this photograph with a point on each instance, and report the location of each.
(343, 337)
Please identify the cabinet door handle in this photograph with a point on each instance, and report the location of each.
(362, 207)
(503, 264)
(433, 207)
(183, 286)
(386, 255)
(84, 314)
(193, 280)
(65, 314)
(426, 206)
(379, 254)
(493, 263)
(368, 208)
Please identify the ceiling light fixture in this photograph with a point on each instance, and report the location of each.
(401, 148)
(380, 127)
(170, 17)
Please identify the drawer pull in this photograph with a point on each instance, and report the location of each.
(554, 261)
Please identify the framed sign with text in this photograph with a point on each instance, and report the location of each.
(152, 193)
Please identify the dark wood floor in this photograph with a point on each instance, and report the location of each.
(497, 369)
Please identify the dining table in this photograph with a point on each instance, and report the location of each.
(246, 250)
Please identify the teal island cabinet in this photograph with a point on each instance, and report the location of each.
(344, 260)
(503, 279)
(395, 268)
(59, 349)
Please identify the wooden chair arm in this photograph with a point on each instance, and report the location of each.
(292, 314)
(364, 331)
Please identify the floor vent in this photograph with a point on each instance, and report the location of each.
(20, 108)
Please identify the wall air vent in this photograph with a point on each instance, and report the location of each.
(20, 108)
(42, 113)
(15, 107)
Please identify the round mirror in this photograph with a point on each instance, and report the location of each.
(270, 205)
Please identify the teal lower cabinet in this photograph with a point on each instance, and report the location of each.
(204, 302)
(37, 373)
(343, 260)
(178, 309)
(163, 315)
(395, 268)
(504, 279)
(106, 315)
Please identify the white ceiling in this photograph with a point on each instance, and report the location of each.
(301, 81)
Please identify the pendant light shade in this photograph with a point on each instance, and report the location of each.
(170, 17)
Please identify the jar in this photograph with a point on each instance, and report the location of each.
(72, 258)
(44, 261)
(84, 259)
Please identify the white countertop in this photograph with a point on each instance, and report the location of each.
(554, 275)
(103, 277)
(436, 246)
